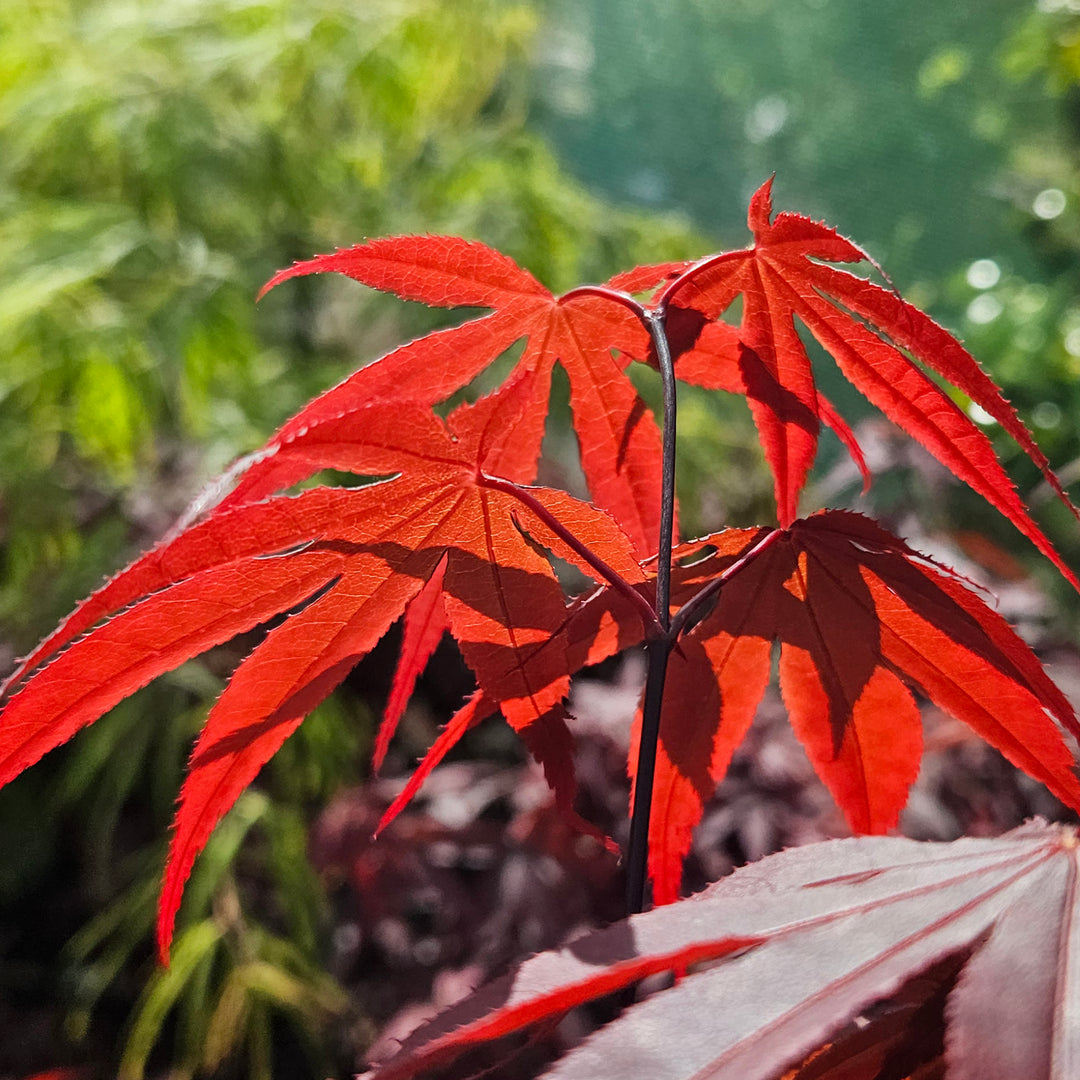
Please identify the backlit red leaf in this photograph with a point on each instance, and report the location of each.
(714, 359)
(861, 619)
(343, 564)
(783, 281)
(620, 444)
(852, 608)
(425, 624)
(472, 712)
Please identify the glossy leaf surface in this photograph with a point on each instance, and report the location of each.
(812, 938)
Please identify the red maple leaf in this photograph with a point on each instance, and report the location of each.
(707, 353)
(344, 564)
(799, 945)
(858, 614)
(859, 617)
(784, 281)
(619, 440)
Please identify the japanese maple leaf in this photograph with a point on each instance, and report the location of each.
(860, 617)
(708, 353)
(342, 564)
(801, 944)
(857, 614)
(784, 280)
(619, 440)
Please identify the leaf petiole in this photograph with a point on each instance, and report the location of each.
(653, 626)
(697, 607)
(605, 293)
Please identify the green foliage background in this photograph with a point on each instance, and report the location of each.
(159, 161)
(925, 132)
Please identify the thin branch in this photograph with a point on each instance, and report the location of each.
(655, 323)
(637, 848)
(604, 293)
(637, 851)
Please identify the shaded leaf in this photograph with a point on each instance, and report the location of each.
(859, 617)
(813, 938)
(713, 690)
(853, 608)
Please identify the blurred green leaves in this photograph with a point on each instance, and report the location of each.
(158, 162)
(935, 138)
(230, 981)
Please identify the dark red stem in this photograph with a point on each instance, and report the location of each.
(653, 626)
(604, 293)
(637, 849)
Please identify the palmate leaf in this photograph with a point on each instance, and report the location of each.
(619, 440)
(784, 280)
(709, 353)
(807, 940)
(860, 617)
(858, 614)
(343, 564)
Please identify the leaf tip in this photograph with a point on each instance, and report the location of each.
(164, 934)
(278, 278)
(760, 212)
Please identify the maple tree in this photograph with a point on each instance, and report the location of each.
(450, 533)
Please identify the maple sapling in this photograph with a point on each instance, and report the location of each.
(454, 539)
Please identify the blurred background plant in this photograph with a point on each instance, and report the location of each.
(158, 162)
